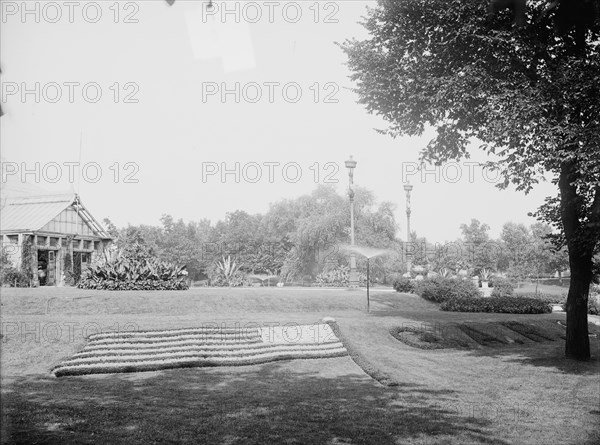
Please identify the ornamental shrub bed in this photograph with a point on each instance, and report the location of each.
(135, 274)
(505, 305)
(404, 285)
(172, 284)
(441, 289)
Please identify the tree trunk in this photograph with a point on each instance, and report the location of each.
(578, 341)
(580, 261)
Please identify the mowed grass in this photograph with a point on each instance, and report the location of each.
(498, 394)
(542, 288)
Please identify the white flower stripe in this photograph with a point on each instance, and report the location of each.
(185, 344)
(93, 347)
(195, 347)
(172, 338)
(195, 354)
(277, 335)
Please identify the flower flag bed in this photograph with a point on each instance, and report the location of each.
(200, 347)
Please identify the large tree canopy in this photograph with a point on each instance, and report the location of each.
(527, 95)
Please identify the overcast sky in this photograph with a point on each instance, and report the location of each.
(163, 99)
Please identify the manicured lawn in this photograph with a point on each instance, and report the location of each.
(496, 394)
(542, 288)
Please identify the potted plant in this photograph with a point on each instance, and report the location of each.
(485, 277)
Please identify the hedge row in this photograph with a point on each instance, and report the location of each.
(505, 305)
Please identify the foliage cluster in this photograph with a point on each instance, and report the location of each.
(68, 268)
(520, 252)
(438, 290)
(9, 276)
(226, 273)
(27, 253)
(404, 285)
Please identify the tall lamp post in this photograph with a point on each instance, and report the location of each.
(351, 165)
(408, 188)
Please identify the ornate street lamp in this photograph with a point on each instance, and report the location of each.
(351, 165)
(408, 188)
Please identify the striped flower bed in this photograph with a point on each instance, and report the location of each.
(199, 347)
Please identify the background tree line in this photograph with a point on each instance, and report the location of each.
(298, 239)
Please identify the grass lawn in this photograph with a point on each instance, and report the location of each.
(493, 394)
(542, 289)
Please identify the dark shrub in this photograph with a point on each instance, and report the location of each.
(404, 285)
(506, 305)
(502, 287)
(12, 277)
(441, 289)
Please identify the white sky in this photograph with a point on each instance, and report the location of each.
(169, 61)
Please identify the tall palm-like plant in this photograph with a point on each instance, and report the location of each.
(228, 268)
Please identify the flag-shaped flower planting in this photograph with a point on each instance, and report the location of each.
(198, 347)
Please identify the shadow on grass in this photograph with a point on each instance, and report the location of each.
(547, 355)
(390, 302)
(536, 340)
(272, 403)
